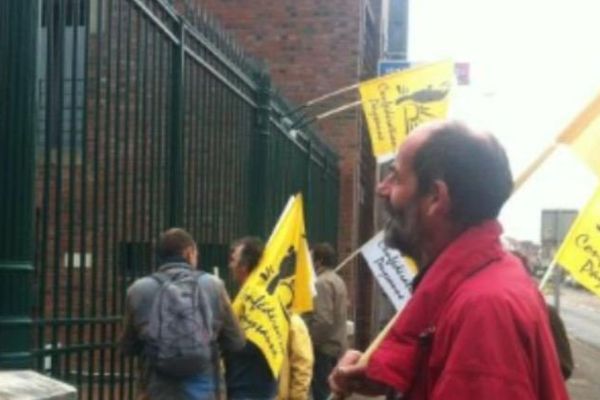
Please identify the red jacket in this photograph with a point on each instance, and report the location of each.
(476, 328)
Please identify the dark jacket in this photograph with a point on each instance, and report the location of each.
(248, 375)
(563, 347)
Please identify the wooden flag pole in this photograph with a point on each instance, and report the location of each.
(547, 275)
(364, 358)
(347, 259)
(534, 166)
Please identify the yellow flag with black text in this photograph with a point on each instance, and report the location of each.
(583, 135)
(283, 281)
(580, 251)
(396, 103)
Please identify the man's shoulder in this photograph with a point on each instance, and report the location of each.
(329, 275)
(143, 284)
(501, 290)
(211, 282)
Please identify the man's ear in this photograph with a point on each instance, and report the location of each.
(438, 200)
(191, 256)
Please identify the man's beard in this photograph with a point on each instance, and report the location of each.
(402, 229)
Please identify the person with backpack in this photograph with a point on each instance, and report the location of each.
(178, 320)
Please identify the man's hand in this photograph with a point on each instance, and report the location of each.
(349, 376)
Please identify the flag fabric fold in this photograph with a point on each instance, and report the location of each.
(580, 251)
(283, 281)
(396, 103)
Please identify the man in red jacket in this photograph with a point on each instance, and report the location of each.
(476, 327)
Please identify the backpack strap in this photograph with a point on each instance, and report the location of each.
(160, 277)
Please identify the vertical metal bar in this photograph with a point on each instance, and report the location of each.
(18, 38)
(115, 292)
(163, 110)
(228, 167)
(44, 258)
(83, 179)
(142, 208)
(95, 201)
(188, 146)
(233, 170)
(71, 190)
(216, 186)
(237, 147)
(175, 202)
(206, 140)
(154, 133)
(258, 166)
(307, 188)
(57, 78)
(248, 136)
(106, 197)
(185, 153)
(137, 127)
(196, 131)
(126, 172)
(221, 149)
(214, 149)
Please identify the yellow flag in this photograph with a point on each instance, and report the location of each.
(397, 103)
(583, 135)
(282, 281)
(580, 252)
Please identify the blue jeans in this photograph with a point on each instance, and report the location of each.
(199, 387)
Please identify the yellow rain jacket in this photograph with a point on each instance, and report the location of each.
(296, 372)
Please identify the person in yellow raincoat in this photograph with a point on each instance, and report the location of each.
(296, 372)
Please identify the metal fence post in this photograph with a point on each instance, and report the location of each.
(18, 35)
(175, 136)
(259, 154)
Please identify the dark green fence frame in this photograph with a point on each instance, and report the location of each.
(132, 118)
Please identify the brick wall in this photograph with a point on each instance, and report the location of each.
(313, 48)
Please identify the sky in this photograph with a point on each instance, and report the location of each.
(534, 66)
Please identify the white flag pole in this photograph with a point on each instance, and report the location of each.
(547, 274)
(326, 96)
(301, 124)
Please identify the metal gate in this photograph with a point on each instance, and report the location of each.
(146, 119)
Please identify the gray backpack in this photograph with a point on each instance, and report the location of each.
(179, 334)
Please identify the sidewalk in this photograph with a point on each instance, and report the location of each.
(585, 382)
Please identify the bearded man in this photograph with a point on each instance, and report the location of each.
(476, 326)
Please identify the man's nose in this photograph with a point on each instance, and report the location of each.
(382, 189)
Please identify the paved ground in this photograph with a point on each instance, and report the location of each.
(585, 382)
(580, 310)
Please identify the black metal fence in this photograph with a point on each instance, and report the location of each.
(146, 120)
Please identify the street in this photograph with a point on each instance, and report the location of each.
(580, 311)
